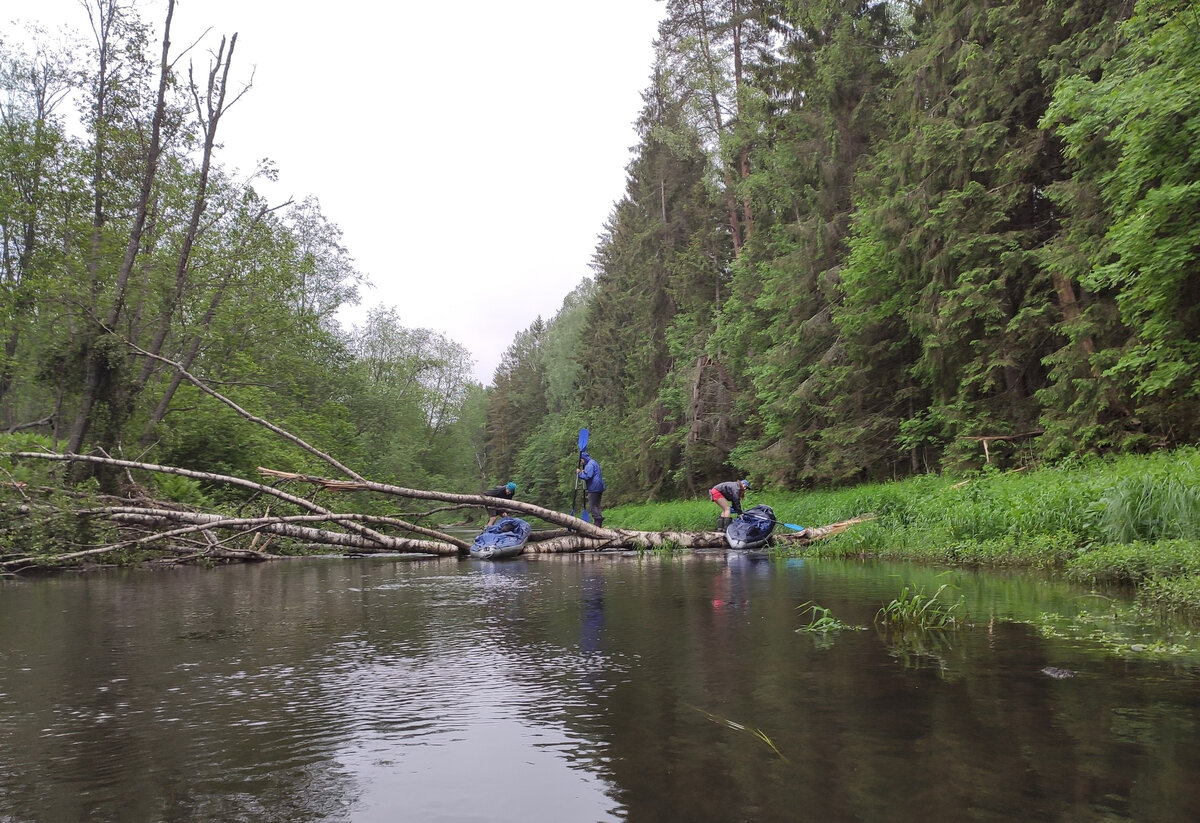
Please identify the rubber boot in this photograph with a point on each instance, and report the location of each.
(600, 522)
(723, 523)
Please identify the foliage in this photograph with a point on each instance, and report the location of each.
(855, 239)
(1130, 131)
(1137, 563)
(35, 507)
(185, 490)
(858, 238)
(129, 247)
(822, 620)
(916, 610)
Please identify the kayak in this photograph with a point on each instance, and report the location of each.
(752, 529)
(504, 538)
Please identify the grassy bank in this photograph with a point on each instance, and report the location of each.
(1128, 520)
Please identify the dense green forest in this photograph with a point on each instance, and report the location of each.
(861, 239)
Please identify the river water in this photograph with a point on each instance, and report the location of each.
(578, 688)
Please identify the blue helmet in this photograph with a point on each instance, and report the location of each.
(746, 482)
(511, 486)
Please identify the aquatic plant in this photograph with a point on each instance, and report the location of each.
(822, 621)
(1117, 630)
(914, 610)
(1136, 563)
(1170, 597)
(740, 727)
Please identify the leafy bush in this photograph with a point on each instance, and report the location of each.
(1170, 597)
(1136, 563)
(185, 490)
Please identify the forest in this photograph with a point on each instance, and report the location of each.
(860, 240)
(866, 240)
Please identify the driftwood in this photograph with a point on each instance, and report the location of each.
(990, 438)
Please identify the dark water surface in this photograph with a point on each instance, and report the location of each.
(577, 688)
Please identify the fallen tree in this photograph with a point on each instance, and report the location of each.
(177, 533)
(184, 534)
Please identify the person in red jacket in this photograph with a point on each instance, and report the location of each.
(729, 497)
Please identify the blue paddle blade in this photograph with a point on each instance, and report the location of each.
(587, 518)
(583, 438)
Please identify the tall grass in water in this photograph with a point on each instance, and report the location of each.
(915, 610)
(822, 620)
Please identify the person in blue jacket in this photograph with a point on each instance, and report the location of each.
(593, 483)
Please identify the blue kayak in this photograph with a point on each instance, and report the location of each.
(752, 529)
(504, 538)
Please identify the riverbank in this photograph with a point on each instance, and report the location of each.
(1121, 521)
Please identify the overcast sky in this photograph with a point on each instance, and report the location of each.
(469, 151)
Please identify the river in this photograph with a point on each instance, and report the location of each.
(628, 687)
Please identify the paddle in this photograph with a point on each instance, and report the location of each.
(791, 526)
(583, 441)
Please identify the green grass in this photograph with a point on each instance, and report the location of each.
(822, 620)
(1136, 563)
(916, 610)
(1130, 519)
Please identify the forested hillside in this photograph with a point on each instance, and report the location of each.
(865, 239)
(860, 239)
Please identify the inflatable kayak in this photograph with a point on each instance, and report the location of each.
(504, 538)
(752, 529)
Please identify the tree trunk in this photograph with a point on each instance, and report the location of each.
(97, 368)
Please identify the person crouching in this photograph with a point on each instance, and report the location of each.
(504, 492)
(729, 497)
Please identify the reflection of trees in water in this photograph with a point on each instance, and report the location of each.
(257, 694)
(181, 697)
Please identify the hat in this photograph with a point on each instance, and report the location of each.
(746, 482)
(511, 486)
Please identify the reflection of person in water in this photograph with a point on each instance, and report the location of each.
(731, 585)
(592, 625)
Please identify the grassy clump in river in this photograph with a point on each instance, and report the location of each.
(1132, 520)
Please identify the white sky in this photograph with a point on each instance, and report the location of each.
(469, 151)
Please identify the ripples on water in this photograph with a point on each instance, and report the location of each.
(555, 689)
(332, 691)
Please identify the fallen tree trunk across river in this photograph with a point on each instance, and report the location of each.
(184, 534)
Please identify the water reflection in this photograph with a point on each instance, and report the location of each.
(586, 688)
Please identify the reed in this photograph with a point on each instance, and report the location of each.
(757, 734)
(915, 610)
(822, 620)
